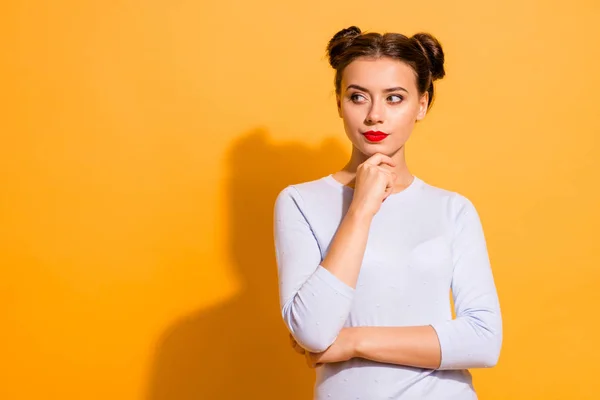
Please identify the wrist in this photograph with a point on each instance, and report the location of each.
(359, 214)
(354, 342)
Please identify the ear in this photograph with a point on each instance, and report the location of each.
(423, 106)
(339, 105)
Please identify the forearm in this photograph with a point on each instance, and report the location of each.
(347, 248)
(315, 293)
(455, 344)
(414, 346)
(318, 310)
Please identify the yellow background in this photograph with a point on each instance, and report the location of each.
(143, 144)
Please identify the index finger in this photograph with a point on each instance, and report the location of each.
(379, 158)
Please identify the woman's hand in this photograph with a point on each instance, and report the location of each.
(373, 184)
(343, 349)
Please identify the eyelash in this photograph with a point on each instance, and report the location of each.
(353, 96)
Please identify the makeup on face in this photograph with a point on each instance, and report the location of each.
(375, 136)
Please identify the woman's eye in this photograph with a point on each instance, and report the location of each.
(395, 98)
(357, 97)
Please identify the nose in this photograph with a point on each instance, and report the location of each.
(375, 115)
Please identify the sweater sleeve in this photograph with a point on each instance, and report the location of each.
(315, 303)
(474, 338)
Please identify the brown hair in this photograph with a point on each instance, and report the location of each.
(422, 52)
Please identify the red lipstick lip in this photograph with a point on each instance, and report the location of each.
(375, 136)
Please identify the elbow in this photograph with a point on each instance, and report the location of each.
(482, 353)
(313, 336)
(467, 343)
(313, 342)
(491, 356)
(494, 344)
(486, 359)
(489, 349)
(316, 321)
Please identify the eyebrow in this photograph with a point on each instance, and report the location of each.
(394, 89)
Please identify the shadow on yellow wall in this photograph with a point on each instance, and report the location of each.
(240, 349)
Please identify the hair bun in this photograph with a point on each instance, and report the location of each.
(432, 49)
(341, 41)
(348, 33)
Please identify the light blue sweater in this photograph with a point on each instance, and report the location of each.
(423, 242)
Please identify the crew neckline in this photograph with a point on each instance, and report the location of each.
(416, 182)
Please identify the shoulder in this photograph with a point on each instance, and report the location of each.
(454, 202)
(302, 192)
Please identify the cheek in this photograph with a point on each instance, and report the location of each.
(352, 117)
(405, 116)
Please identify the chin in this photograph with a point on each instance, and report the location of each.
(370, 149)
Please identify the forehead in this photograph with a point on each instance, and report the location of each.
(380, 73)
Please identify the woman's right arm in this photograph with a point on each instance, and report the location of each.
(316, 294)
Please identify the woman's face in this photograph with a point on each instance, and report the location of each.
(379, 95)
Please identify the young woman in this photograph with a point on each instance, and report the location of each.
(367, 256)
